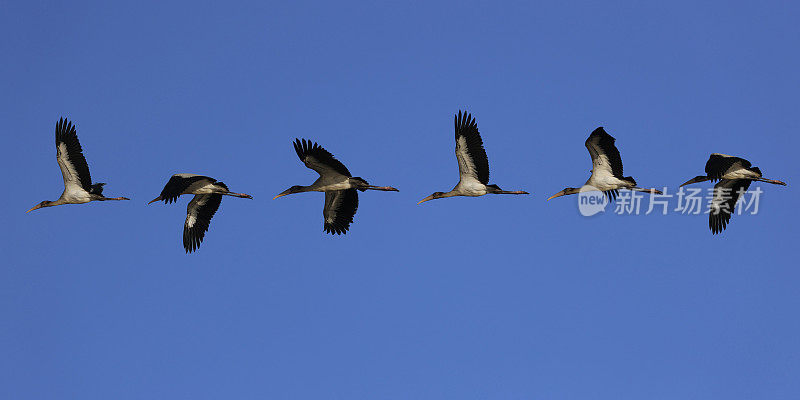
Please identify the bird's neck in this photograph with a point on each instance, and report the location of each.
(57, 202)
(310, 188)
(451, 193)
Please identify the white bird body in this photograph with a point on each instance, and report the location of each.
(741, 174)
(604, 182)
(470, 188)
(327, 184)
(75, 196)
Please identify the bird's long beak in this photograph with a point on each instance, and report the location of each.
(426, 199)
(36, 207)
(559, 194)
(154, 200)
(281, 195)
(695, 180)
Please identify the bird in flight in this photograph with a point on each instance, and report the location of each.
(78, 186)
(735, 175)
(340, 187)
(207, 193)
(607, 175)
(473, 165)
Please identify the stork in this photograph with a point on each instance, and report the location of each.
(340, 187)
(473, 165)
(607, 175)
(78, 186)
(207, 193)
(735, 175)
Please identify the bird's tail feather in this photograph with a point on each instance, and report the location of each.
(361, 181)
(96, 188)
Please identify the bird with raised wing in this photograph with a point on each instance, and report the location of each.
(340, 187)
(735, 175)
(473, 165)
(207, 193)
(607, 175)
(78, 186)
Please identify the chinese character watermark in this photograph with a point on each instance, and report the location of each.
(688, 201)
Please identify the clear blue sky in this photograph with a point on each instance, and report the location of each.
(499, 297)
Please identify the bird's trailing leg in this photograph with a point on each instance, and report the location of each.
(772, 181)
(384, 188)
(242, 195)
(113, 198)
(510, 192)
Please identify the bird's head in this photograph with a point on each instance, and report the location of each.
(45, 203)
(435, 195)
(292, 190)
(565, 192)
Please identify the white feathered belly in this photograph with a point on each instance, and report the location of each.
(76, 197)
(203, 188)
(608, 182)
(471, 189)
(741, 174)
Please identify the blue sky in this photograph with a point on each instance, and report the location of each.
(499, 297)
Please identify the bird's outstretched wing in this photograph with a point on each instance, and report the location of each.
(69, 155)
(319, 159)
(605, 155)
(726, 194)
(179, 183)
(718, 164)
(340, 207)
(198, 217)
(472, 161)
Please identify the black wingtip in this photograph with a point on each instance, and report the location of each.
(303, 146)
(298, 148)
(336, 230)
(63, 127)
(464, 120)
